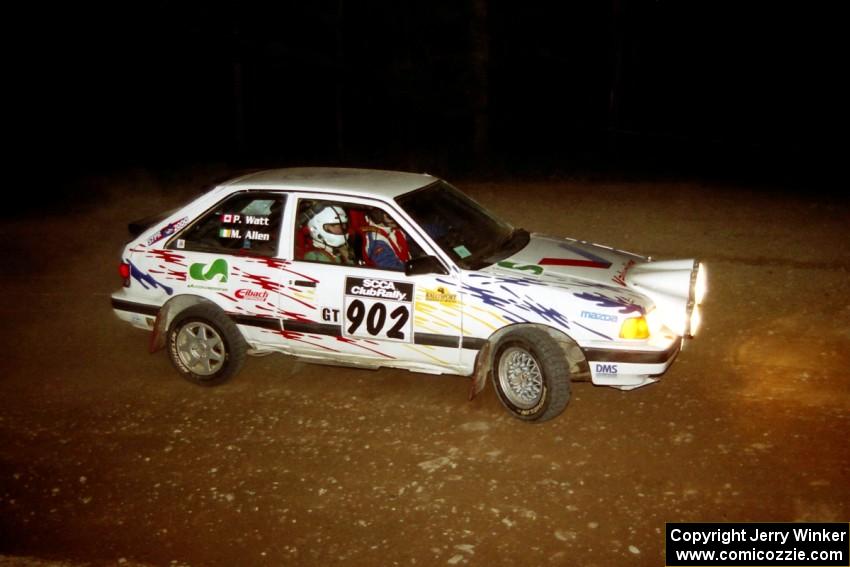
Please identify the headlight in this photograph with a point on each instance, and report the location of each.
(700, 284)
(696, 320)
(699, 287)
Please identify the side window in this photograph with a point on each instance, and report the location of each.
(244, 222)
(351, 234)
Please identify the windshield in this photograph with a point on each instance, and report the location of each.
(466, 231)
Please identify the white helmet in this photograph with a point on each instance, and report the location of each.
(320, 226)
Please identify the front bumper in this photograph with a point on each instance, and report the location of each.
(629, 369)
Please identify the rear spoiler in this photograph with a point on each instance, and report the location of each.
(137, 227)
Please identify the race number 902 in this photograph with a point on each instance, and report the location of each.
(378, 309)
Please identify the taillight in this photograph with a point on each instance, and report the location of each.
(124, 272)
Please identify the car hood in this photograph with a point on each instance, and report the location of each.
(614, 275)
(548, 258)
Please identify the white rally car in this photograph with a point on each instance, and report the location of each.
(252, 267)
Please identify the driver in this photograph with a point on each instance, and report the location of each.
(329, 236)
(384, 243)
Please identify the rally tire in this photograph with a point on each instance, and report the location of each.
(531, 375)
(205, 346)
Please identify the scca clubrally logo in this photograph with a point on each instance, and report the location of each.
(210, 274)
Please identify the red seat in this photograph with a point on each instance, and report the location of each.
(356, 219)
(302, 236)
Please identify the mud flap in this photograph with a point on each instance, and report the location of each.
(482, 370)
(158, 333)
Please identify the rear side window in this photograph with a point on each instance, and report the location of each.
(244, 222)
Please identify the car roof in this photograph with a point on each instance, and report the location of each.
(365, 182)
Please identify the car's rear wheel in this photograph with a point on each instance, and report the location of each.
(205, 346)
(531, 375)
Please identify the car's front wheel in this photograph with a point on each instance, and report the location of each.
(205, 346)
(531, 375)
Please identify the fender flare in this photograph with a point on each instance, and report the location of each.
(579, 369)
(166, 315)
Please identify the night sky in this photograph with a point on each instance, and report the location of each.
(465, 87)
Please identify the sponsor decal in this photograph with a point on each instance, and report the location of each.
(620, 277)
(606, 369)
(168, 230)
(252, 295)
(213, 276)
(380, 289)
(599, 316)
(441, 295)
(536, 270)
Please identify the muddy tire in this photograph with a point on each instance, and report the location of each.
(205, 346)
(531, 375)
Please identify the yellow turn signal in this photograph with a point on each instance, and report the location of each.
(634, 328)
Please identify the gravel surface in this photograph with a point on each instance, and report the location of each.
(107, 457)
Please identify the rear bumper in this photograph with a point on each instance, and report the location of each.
(139, 315)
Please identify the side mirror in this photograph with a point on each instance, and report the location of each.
(424, 265)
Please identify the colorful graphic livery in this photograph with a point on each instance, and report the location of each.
(274, 262)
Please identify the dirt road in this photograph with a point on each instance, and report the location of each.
(108, 457)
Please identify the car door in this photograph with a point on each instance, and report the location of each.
(352, 311)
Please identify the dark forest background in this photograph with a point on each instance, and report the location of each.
(742, 90)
